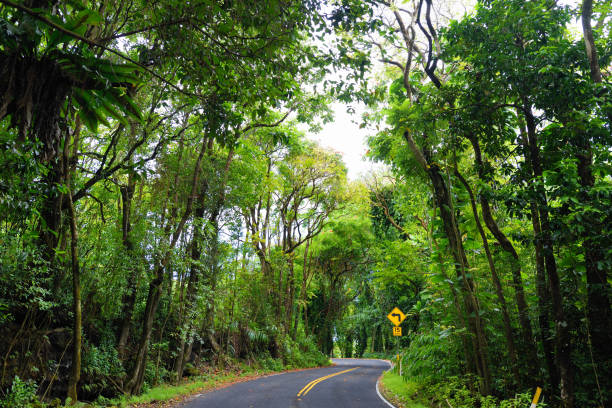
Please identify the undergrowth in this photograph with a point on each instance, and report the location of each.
(294, 355)
(453, 392)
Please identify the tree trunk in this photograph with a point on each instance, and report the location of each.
(531, 359)
(544, 301)
(589, 41)
(302, 295)
(599, 313)
(289, 301)
(496, 283)
(470, 356)
(542, 288)
(213, 220)
(76, 305)
(129, 298)
(444, 203)
(562, 325)
(135, 382)
(194, 276)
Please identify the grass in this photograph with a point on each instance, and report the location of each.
(166, 392)
(402, 394)
(167, 395)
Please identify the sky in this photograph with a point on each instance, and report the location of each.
(344, 136)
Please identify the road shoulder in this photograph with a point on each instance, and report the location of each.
(398, 393)
(175, 396)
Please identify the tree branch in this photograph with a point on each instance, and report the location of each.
(40, 17)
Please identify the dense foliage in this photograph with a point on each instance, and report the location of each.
(496, 127)
(139, 141)
(162, 210)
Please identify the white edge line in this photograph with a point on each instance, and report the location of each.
(378, 392)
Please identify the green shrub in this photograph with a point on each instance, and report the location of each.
(379, 354)
(432, 355)
(519, 401)
(191, 371)
(21, 395)
(457, 392)
(155, 374)
(100, 367)
(269, 363)
(454, 390)
(302, 352)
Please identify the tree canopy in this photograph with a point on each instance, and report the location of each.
(164, 210)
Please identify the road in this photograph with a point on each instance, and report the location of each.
(351, 383)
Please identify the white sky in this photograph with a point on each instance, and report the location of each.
(344, 136)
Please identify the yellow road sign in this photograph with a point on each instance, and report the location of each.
(397, 331)
(396, 316)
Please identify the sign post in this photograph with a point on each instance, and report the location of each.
(536, 397)
(397, 317)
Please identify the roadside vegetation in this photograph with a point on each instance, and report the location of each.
(164, 215)
(400, 393)
(454, 392)
(198, 381)
(492, 226)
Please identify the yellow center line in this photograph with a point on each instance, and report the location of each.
(311, 384)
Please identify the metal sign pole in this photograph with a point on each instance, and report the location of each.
(399, 363)
(397, 317)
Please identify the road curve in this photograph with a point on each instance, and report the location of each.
(351, 383)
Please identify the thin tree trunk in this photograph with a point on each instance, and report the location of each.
(470, 356)
(302, 295)
(542, 288)
(194, 276)
(496, 282)
(76, 305)
(135, 382)
(129, 298)
(517, 280)
(562, 325)
(449, 222)
(589, 41)
(76, 273)
(289, 294)
(599, 312)
(213, 220)
(180, 316)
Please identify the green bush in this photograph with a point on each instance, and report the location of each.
(155, 373)
(457, 392)
(101, 366)
(269, 363)
(453, 390)
(379, 355)
(191, 371)
(432, 355)
(302, 352)
(21, 395)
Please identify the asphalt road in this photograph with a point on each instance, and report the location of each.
(351, 383)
